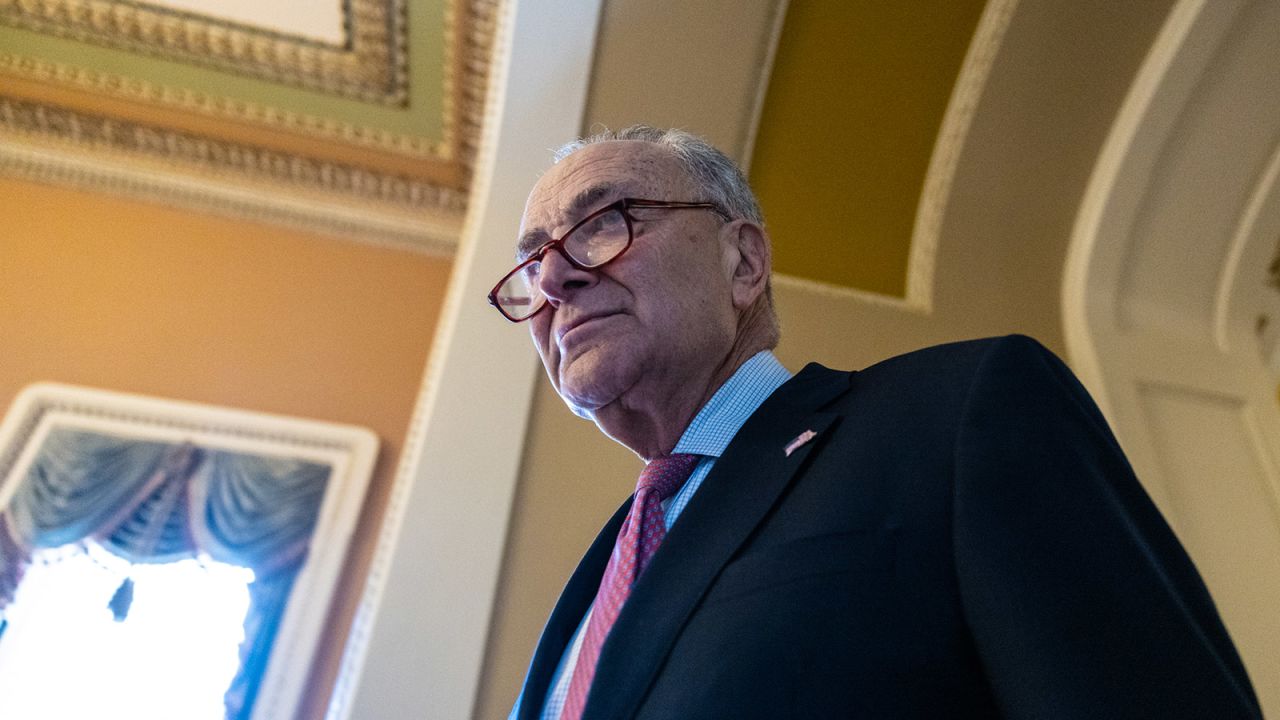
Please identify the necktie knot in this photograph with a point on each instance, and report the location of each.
(664, 475)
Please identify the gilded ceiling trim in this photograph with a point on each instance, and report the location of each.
(370, 65)
(331, 182)
(202, 154)
(468, 41)
(216, 106)
(174, 168)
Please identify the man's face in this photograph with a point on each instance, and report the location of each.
(657, 316)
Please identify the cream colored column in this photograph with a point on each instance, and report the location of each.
(417, 645)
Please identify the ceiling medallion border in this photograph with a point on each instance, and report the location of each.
(468, 41)
(370, 65)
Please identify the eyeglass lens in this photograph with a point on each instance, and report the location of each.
(597, 240)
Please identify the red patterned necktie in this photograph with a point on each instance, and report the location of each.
(641, 534)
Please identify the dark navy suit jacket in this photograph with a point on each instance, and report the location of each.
(963, 538)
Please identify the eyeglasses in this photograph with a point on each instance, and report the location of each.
(598, 239)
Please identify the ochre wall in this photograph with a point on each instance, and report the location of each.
(135, 297)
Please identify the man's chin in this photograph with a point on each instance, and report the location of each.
(584, 413)
(583, 386)
(582, 406)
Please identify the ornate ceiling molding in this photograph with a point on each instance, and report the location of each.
(119, 87)
(202, 150)
(468, 42)
(186, 150)
(322, 213)
(370, 65)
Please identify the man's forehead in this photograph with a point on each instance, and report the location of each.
(606, 171)
(592, 177)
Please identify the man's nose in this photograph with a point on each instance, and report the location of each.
(559, 279)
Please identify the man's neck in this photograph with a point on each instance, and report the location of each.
(652, 429)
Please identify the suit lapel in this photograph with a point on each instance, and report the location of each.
(741, 489)
(572, 605)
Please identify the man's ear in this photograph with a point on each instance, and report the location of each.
(750, 264)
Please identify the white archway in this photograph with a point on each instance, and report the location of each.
(1166, 282)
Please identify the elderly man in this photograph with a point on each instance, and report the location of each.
(950, 533)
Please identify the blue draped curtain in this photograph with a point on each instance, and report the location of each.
(155, 502)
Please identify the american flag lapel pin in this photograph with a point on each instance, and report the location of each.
(800, 440)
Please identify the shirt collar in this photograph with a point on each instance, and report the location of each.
(728, 409)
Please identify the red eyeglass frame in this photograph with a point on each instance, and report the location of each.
(623, 205)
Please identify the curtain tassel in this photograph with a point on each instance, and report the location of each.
(121, 601)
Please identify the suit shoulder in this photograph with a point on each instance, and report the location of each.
(964, 356)
(940, 375)
(944, 375)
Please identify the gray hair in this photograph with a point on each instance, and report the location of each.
(711, 169)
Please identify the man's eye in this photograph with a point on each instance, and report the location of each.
(594, 225)
(608, 222)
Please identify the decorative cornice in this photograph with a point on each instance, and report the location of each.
(332, 214)
(370, 65)
(216, 106)
(201, 154)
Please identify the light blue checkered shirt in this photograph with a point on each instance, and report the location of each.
(708, 435)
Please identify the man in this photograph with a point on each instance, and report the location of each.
(950, 533)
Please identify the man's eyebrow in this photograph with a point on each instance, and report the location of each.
(529, 242)
(585, 200)
(589, 198)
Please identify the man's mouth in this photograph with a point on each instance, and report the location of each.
(580, 324)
